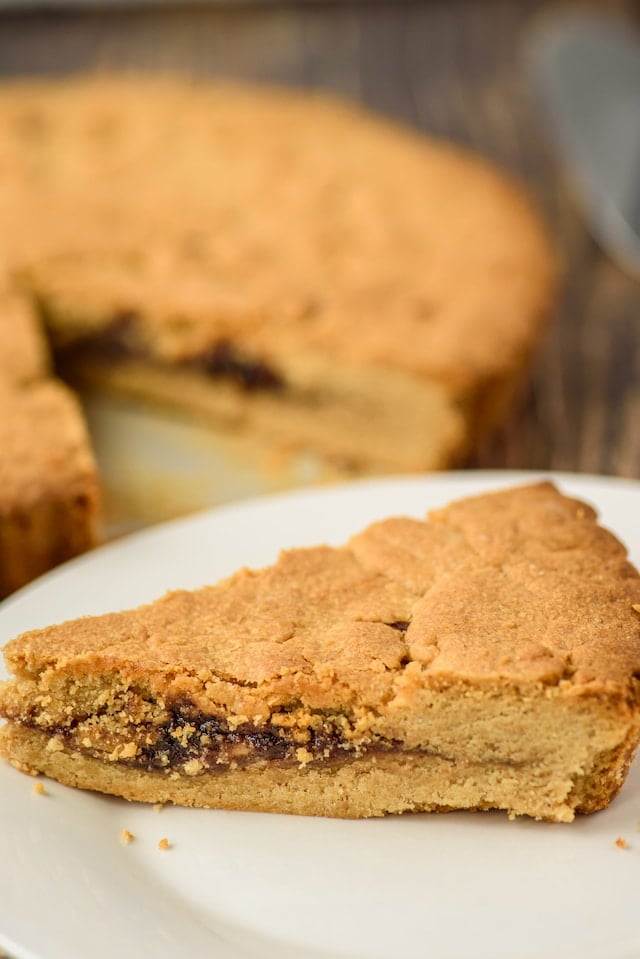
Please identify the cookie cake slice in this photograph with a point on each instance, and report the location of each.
(488, 657)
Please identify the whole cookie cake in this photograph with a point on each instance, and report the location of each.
(282, 264)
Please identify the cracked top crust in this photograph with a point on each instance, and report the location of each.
(516, 587)
(392, 250)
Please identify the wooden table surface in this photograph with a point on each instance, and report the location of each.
(453, 69)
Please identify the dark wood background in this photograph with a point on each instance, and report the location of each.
(453, 68)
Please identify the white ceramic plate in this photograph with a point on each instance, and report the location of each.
(457, 886)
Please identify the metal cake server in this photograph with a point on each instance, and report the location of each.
(585, 70)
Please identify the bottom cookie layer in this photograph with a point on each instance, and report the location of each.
(363, 787)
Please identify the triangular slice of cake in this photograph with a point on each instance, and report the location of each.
(486, 658)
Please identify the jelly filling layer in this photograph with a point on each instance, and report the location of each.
(213, 743)
(222, 360)
(194, 742)
(202, 742)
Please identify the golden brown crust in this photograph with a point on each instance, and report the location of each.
(49, 498)
(43, 443)
(505, 586)
(48, 481)
(501, 633)
(24, 355)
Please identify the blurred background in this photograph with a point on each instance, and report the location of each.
(454, 68)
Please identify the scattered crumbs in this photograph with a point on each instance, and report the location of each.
(158, 807)
(39, 789)
(126, 837)
(622, 843)
(164, 844)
